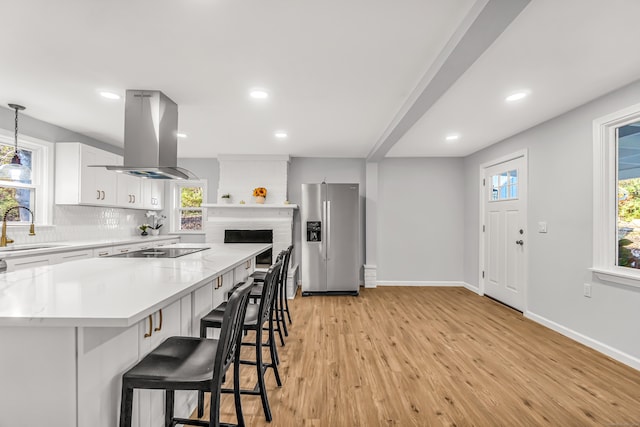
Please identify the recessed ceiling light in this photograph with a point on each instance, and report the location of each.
(452, 137)
(258, 94)
(109, 95)
(517, 96)
(281, 134)
(181, 135)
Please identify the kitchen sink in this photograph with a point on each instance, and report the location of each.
(12, 248)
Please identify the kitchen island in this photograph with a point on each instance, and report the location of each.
(69, 331)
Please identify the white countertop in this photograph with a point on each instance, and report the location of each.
(16, 251)
(111, 292)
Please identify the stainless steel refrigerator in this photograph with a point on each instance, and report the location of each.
(330, 217)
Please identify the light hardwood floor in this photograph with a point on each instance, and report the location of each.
(435, 357)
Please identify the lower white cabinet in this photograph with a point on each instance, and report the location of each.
(243, 271)
(59, 258)
(104, 354)
(152, 332)
(14, 264)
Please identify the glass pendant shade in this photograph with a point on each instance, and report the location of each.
(15, 171)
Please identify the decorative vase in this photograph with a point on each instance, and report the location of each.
(260, 200)
(155, 232)
(144, 233)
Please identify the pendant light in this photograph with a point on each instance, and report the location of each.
(15, 171)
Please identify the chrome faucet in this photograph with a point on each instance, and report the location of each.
(4, 240)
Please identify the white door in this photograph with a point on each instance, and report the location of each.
(505, 237)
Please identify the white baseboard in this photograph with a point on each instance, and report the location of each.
(418, 283)
(614, 353)
(472, 288)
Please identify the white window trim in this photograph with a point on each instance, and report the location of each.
(41, 174)
(605, 171)
(175, 205)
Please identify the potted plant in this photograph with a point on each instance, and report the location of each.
(156, 222)
(260, 194)
(144, 228)
(226, 198)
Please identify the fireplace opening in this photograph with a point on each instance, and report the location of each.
(263, 259)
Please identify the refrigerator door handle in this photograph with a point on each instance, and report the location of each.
(324, 229)
(328, 219)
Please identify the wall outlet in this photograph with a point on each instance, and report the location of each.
(587, 290)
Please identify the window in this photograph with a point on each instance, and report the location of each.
(504, 186)
(188, 197)
(616, 232)
(31, 193)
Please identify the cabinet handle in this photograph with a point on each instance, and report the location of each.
(98, 196)
(124, 250)
(102, 195)
(159, 328)
(103, 253)
(148, 334)
(134, 198)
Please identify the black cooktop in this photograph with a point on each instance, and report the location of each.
(159, 253)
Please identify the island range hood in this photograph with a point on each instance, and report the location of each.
(150, 137)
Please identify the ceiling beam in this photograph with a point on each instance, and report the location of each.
(484, 23)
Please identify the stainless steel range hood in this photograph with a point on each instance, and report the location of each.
(150, 137)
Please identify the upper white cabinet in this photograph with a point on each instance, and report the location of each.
(152, 194)
(77, 183)
(129, 191)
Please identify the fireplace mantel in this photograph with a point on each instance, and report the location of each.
(248, 206)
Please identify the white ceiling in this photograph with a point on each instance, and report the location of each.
(338, 71)
(565, 52)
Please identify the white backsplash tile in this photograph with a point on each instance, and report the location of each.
(84, 223)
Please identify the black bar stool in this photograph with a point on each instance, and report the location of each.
(186, 363)
(256, 317)
(282, 300)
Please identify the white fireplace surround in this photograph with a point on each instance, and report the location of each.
(278, 218)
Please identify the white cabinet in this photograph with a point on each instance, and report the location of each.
(121, 249)
(105, 353)
(152, 194)
(14, 264)
(76, 182)
(100, 252)
(202, 303)
(244, 270)
(152, 332)
(169, 242)
(59, 258)
(129, 191)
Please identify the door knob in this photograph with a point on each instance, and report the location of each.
(520, 242)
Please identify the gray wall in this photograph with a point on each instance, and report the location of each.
(46, 131)
(420, 220)
(204, 168)
(306, 170)
(561, 193)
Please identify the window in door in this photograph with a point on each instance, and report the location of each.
(504, 186)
